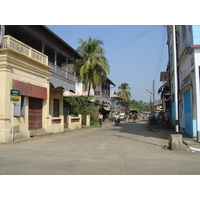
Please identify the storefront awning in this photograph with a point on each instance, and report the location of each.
(30, 90)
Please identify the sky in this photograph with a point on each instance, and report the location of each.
(136, 53)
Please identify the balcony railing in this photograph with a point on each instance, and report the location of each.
(14, 44)
(58, 70)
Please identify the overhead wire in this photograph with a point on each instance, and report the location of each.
(160, 55)
(159, 63)
(136, 38)
(131, 40)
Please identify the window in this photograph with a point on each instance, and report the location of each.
(55, 107)
(97, 93)
(19, 108)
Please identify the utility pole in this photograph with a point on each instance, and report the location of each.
(150, 100)
(153, 95)
(150, 104)
(175, 82)
(197, 101)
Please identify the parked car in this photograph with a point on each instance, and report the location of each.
(122, 117)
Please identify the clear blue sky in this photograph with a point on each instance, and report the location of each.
(136, 53)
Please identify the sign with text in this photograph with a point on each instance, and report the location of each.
(15, 96)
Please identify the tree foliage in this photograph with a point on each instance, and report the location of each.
(124, 92)
(79, 105)
(140, 106)
(93, 68)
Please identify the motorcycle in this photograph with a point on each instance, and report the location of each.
(117, 121)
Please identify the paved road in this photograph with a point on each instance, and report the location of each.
(127, 149)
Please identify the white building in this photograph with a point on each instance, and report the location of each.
(188, 62)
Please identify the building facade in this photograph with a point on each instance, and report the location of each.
(117, 104)
(101, 94)
(36, 62)
(188, 62)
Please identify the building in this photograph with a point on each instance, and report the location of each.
(101, 94)
(36, 62)
(188, 62)
(117, 104)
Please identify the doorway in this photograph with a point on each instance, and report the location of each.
(35, 113)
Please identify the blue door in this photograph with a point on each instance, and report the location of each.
(187, 113)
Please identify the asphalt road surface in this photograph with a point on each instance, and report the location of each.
(127, 149)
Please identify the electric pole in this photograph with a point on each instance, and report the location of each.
(175, 82)
(153, 95)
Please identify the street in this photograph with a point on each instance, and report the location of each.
(127, 149)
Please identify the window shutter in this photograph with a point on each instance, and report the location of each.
(17, 109)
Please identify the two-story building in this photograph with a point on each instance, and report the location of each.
(36, 62)
(188, 62)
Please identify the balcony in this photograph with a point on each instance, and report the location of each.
(60, 77)
(61, 72)
(14, 44)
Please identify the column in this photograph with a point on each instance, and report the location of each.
(66, 67)
(55, 61)
(43, 45)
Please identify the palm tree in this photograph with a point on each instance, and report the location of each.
(93, 68)
(124, 92)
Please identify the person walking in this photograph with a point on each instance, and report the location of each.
(100, 116)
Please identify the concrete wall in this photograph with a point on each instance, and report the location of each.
(74, 122)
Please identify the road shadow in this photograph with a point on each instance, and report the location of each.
(121, 136)
(143, 128)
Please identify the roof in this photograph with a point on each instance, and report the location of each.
(158, 102)
(110, 81)
(112, 94)
(61, 40)
(44, 34)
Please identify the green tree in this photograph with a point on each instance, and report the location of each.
(79, 105)
(93, 68)
(140, 106)
(124, 92)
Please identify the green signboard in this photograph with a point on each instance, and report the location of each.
(15, 96)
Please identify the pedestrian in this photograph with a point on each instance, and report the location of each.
(100, 119)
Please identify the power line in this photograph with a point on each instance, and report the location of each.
(161, 54)
(131, 40)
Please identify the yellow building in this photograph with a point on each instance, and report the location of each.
(34, 61)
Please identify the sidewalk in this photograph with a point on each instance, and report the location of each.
(188, 140)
